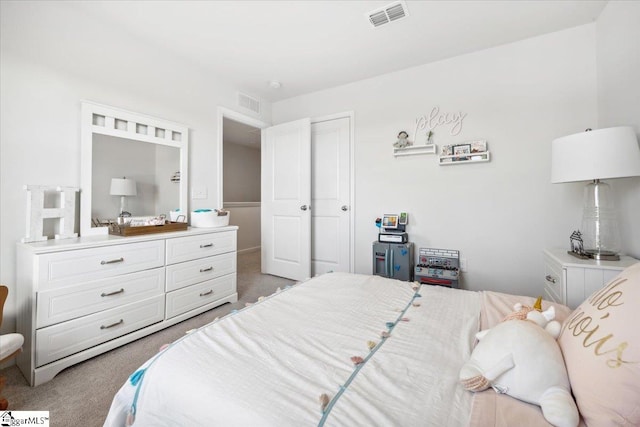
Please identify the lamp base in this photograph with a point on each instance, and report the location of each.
(602, 255)
(578, 255)
(600, 223)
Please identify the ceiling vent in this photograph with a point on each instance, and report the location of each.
(389, 13)
(248, 102)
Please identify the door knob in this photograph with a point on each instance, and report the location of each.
(303, 207)
(344, 208)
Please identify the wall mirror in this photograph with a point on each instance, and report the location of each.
(151, 153)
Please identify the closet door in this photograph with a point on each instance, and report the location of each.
(330, 196)
(286, 200)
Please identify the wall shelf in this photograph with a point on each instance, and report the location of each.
(414, 150)
(465, 158)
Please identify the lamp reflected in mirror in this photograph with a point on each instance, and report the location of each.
(123, 187)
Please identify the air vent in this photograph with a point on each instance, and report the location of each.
(389, 13)
(248, 102)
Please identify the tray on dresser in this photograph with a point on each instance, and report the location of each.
(127, 230)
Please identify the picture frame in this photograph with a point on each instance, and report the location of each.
(478, 146)
(461, 152)
(446, 150)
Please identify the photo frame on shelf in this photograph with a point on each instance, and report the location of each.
(478, 146)
(446, 150)
(461, 151)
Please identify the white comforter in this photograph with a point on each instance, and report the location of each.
(267, 365)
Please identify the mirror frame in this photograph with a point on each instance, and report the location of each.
(105, 120)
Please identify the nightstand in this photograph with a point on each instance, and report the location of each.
(569, 280)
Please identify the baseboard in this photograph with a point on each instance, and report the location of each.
(248, 250)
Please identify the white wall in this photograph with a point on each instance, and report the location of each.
(241, 173)
(247, 217)
(501, 214)
(241, 182)
(618, 56)
(53, 56)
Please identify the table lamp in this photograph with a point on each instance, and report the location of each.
(123, 187)
(593, 156)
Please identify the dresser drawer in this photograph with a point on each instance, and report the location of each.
(189, 248)
(191, 272)
(61, 269)
(59, 305)
(64, 339)
(553, 279)
(195, 296)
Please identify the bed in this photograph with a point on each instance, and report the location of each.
(337, 350)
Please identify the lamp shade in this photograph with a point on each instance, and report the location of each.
(599, 154)
(123, 187)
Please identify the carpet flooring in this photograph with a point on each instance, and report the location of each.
(81, 394)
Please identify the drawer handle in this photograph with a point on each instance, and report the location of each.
(549, 278)
(112, 325)
(113, 261)
(108, 294)
(208, 245)
(204, 270)
(204, 294)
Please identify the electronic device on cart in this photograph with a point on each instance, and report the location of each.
(393, 254)
(393, 228)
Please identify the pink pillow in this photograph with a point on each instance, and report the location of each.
(600, 342)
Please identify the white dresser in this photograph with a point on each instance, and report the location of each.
(569, 280)
(78, 298)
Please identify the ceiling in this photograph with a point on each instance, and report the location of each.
(314, 45)
(239, 133)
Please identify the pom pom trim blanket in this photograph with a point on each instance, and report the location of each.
(339, 349)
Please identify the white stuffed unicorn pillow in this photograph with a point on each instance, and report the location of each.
(521, 358)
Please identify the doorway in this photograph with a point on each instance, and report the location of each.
(238, 180)
(241, 181)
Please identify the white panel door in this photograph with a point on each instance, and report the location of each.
(286, 200)
(330, 196)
